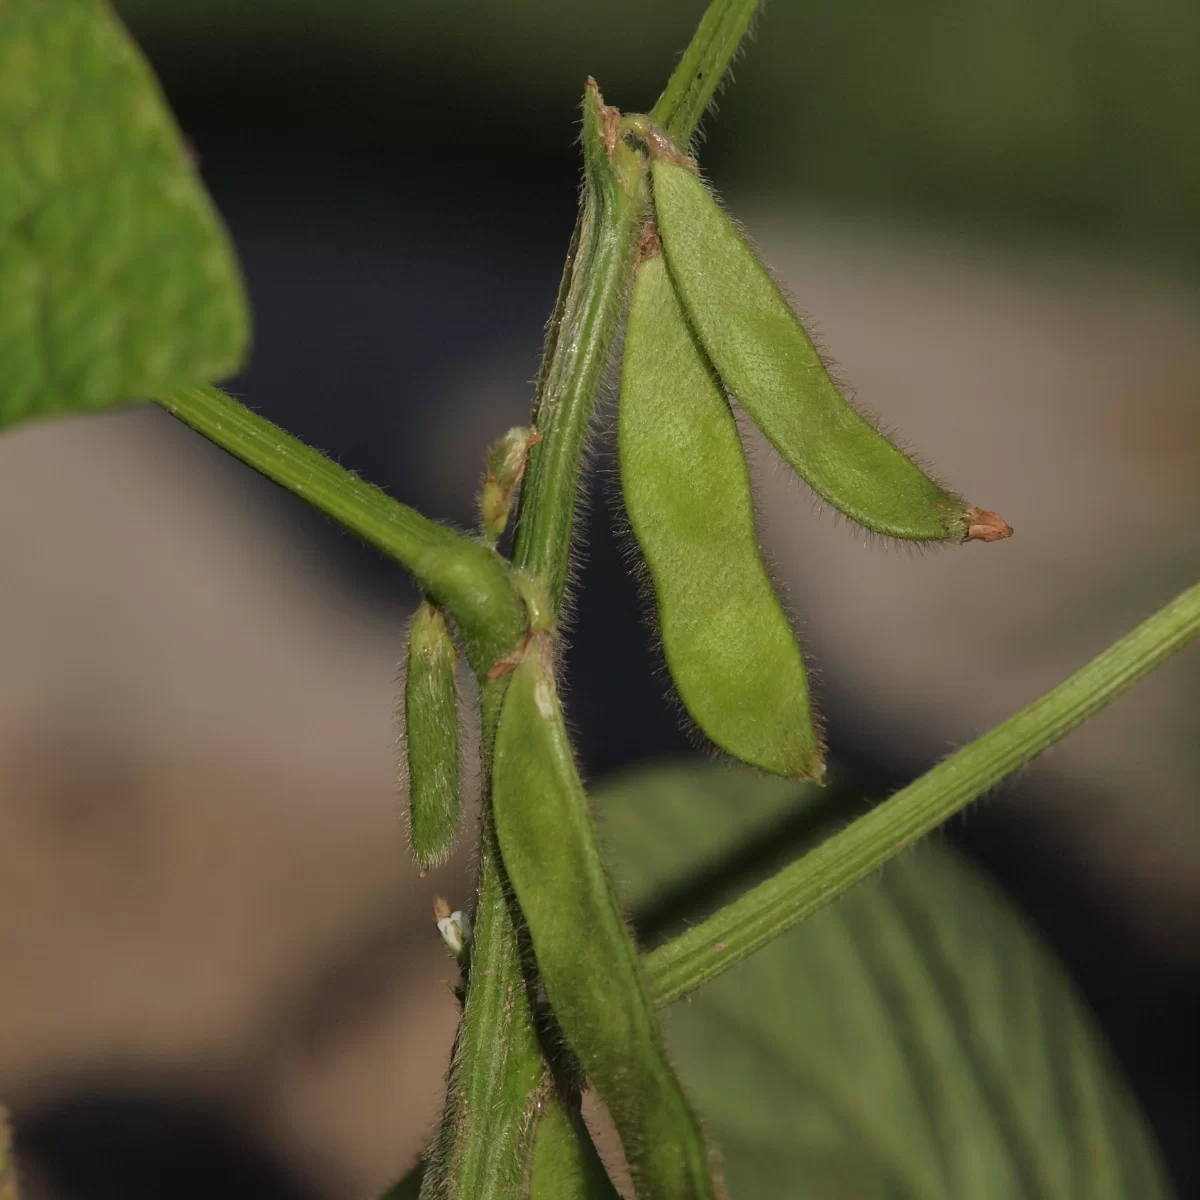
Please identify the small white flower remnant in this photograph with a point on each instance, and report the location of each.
(455, 928)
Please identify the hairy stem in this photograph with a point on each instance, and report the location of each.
(579, 339)
(823, 874)
(592, 294)
(590, 298)
(467, 578)
(499, 1076)
(590, 302)
(713, 47)
(486, 1139)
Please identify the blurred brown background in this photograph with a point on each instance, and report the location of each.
(218, 970)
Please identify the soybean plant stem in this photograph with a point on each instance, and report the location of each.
(497, 1061)
(823, 874)
(493, 1056)
(712, 48)
(591, 298)
(592, 294)
(468, 578)
(499, 1074)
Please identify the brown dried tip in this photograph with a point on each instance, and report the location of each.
(610, 118)
(985, 526)
(441, 910)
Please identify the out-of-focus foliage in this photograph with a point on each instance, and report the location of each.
(694, 797)
(116, 276)
(914, 1040)
(1077, 116)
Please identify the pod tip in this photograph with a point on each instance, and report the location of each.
(985, 526)
(609, 118)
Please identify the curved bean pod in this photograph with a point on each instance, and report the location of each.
(431, 737)
(769, 363)
(727, 640)
(584, 953)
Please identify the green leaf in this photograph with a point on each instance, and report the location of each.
(722, 808)
(916, 1040)
(116, 276)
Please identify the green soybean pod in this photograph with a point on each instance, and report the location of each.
(727, 640)
(585, 956)
(769, 363)
(431, 737)
(564, 1164)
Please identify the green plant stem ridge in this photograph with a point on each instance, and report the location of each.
(803, 887)
(591, 297)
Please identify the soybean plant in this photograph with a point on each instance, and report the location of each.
(555, 995)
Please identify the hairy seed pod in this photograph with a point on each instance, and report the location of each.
(767, 360)
(431, 737)
(727, 640)
(585, 956)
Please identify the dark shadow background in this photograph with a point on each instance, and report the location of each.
(401, 186)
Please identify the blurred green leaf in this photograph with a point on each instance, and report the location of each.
(116, 276)
(719, 809)
(915, 1040)
(1077, 116)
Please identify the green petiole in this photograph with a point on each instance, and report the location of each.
(467, 578)
(811, 882)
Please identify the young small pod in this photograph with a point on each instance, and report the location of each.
(585, 956)
(431, 737)
(727, 640)
(506, 459)
(769, 364)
